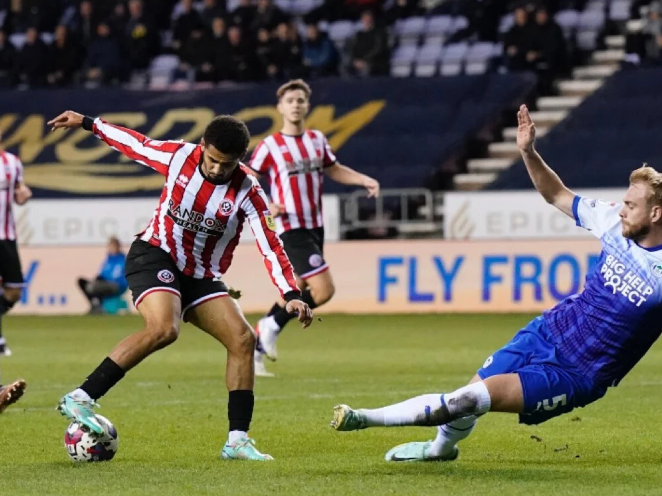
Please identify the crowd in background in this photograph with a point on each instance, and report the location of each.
(106, 41)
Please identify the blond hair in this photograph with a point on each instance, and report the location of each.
(295, 84)
(652, 179)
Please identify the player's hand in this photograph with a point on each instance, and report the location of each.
(372, 185)
(276, 209)
(66, 120)
(526, 130)
(22, 194)
(303, 311)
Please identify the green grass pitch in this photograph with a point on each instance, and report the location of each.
(171, 415)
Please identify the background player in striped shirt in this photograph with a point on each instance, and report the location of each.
(572, 354)
(12, 189)
(174, 267)
(296, 160)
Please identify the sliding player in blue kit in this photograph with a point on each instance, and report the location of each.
(569, 356)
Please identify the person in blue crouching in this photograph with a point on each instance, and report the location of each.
(110, 283)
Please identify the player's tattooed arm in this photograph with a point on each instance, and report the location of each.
(546, 181)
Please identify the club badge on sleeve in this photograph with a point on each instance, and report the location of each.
(271, 223)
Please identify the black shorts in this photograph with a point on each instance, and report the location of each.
(10, 265)
(305, 249)
(149, 269)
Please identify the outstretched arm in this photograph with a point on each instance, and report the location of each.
(546, 181)
(255, 206)
(346, 175)
(154, 154)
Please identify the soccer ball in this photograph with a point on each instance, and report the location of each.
(83, 446)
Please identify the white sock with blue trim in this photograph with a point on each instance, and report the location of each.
(452, 433)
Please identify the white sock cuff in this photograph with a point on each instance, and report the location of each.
(478, 400)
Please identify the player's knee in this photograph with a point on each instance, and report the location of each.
(12, 295)
(163, 332)
(245, 342)
(325, 293)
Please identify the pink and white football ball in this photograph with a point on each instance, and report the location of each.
(83, 446)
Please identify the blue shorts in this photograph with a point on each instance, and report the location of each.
(551, 386)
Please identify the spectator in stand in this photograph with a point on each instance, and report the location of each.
(7, 62)
(549, 50)
(141, 39)
(265, 50)
(197, 54)
(32, 60)
(369, 52)
(288, 49)
(119, 19)
(242, 64)
(320, 56)
(84, 23)
(104, 57)
(218, 68)
(244, 15)
(652, 34)
(268, 16)
(65, 58)
(518, 42)
(188, 21)
(211, 10)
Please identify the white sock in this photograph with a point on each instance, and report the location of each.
(410, 412)
(235, 436)
(80, 394)
(452, 433)
(473, 399)
(271, 323)
(2, 341)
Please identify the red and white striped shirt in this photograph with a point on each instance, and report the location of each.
(199, 223)
(11, 175)
(296, 172)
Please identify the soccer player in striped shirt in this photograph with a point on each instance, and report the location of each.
(568, 357)
(12, 190)
(174, 267)
(296, 160)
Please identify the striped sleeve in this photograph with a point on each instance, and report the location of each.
(261, 159)
(256, 208)
(138, 147)
(329, 157)
(19, 171)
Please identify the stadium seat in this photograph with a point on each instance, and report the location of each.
(453, 59)
(460, 23)
(591, 20)
(428, 57)
(284, 5)
(402, 60)
(478, 58)
(340, 32)
(410, 30)
(161, 71)
(18, 40)
(567, 19)
(619, 10)
(507, 22)
(301, 7)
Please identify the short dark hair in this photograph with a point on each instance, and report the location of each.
(228, 135)
(295, 84)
